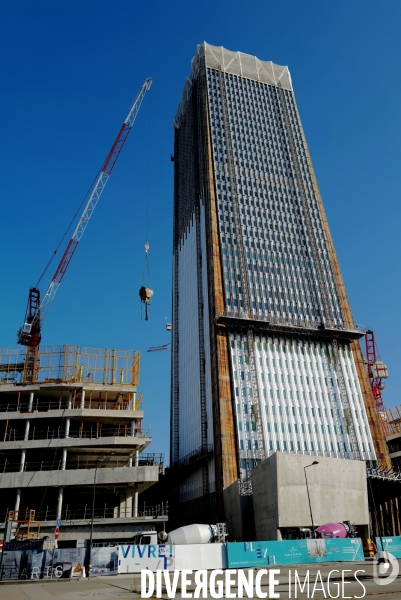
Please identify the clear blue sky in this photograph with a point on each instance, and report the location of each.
(69, 72)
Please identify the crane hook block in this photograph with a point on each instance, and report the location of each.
(145, 295)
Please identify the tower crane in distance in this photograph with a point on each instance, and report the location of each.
(31, 331)
(377, 371)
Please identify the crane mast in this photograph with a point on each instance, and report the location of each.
(30, 333)
(377, 371)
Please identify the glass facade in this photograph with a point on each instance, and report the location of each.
(299, 396)
(281, 276)
(292, 391)
(299, 400)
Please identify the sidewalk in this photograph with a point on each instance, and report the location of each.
(128, 586)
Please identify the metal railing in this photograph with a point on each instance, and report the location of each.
(81, 462)
(394, 447)
(57, 433)
(309, 323)
(245, 487)
(378, 473)
(149, 459)
(394, 420)
(70, 515)
(45, 406)
(204, 451)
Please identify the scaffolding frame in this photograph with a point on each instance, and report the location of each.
(25, 518)
(254, 408)
(69, 364)
(394, 420)
(321, 283)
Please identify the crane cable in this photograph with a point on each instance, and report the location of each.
(68, 228)
(146, 263)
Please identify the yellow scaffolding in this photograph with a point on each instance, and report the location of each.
(69, 364)
(26, 524)
(394, 420)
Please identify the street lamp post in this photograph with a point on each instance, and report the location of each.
(307, 489)
(99, 460)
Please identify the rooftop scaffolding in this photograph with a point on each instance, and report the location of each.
(72, 364)
(394, 420)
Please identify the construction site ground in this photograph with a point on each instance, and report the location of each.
(128, 586)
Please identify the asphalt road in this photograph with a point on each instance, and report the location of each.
(128, 586)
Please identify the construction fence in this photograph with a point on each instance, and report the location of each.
(131, 558)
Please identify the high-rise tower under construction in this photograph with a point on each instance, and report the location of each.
(265, 356)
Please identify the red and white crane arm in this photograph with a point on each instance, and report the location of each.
(33, 321)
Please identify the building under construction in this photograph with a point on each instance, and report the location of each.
(394, 436)
(72, 434)
(266, 355)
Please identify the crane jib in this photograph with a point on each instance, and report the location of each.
(116, 149)
(69, 251)
(30, 333)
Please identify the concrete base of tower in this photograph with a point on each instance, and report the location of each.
(229, 507)
(337, 491)
(276, 504)
(239, 514)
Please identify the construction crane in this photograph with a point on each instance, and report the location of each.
(159, 348)
(377, 371)
(31, 332)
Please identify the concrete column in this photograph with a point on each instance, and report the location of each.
(22, 462)
(21, 468)
(27, 422)
(126, 503)
(63, 465)
(22, 465)
(27, 426)
(60, 502)
(63, 459)
(83, 399)
(135, 513)
(17, 499)
(121, 511)
(67, 420)
(30, 402)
